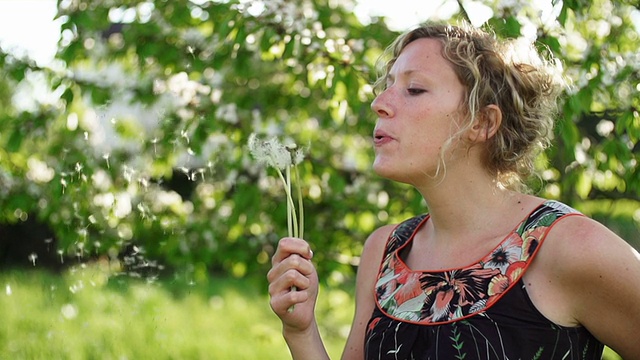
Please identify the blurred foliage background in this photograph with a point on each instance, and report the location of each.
(127, 155)
(137, 153)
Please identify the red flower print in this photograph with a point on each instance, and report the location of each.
(409, 288)
(515, 270)
(442, 303)
(373, 323)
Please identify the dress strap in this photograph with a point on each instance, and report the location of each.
(403, 232)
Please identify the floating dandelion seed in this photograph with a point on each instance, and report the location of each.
(154, 141)
(176, 143)
(74, 288)
(106, 158)
(33, 257)
(199, 171)
(7, 289)
(185, 135)
(80, 245)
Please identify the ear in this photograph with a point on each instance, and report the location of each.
(487, 124)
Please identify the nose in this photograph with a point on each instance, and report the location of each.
(380, 105)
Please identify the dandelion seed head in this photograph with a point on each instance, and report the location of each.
(279, 154)
(298, 156)
(271, 152)
(258, 149)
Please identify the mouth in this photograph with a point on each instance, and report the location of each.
(380, 138)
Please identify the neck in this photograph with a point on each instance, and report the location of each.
(472, 205)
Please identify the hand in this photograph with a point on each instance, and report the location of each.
(291, 266)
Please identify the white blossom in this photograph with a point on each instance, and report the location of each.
(39, 171)
(228, 113)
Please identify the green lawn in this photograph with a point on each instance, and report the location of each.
(85, 314)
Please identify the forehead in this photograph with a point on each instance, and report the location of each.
(422, 56)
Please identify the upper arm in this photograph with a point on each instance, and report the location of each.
(600, 273)
(365, 282)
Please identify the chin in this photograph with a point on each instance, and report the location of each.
(379, 169)
(386, 172)
(400, 174)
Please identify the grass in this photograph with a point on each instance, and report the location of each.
(87, 314)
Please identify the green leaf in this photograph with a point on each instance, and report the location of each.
(15, 140)
(67, 96)
(508, 27)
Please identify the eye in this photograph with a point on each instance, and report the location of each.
(415, 91)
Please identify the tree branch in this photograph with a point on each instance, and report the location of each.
(463, 11)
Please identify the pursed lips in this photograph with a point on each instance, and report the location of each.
(380, 137)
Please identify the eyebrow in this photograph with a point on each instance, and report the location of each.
(407, 73)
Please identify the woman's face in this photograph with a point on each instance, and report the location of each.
(417, 113)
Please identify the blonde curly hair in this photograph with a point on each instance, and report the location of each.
(511, 74)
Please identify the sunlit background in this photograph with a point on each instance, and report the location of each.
(83, 302)
(28, 26)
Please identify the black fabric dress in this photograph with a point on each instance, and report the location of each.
(481, 311)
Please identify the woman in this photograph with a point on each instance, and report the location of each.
(491, 272)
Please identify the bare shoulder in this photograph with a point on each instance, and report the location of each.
(376, 242)
(580, 242)
(365, 283)
(599, 276)
(371, 257)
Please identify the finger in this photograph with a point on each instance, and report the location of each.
(288, 246)
(302, 265)
(292, 262)
(283, 301)
(289, 279)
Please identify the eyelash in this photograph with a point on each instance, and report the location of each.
(414, 92)
(410, 91)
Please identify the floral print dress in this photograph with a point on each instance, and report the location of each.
(481, 311)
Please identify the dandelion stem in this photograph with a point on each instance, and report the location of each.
(300, 206)
(291, 210)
